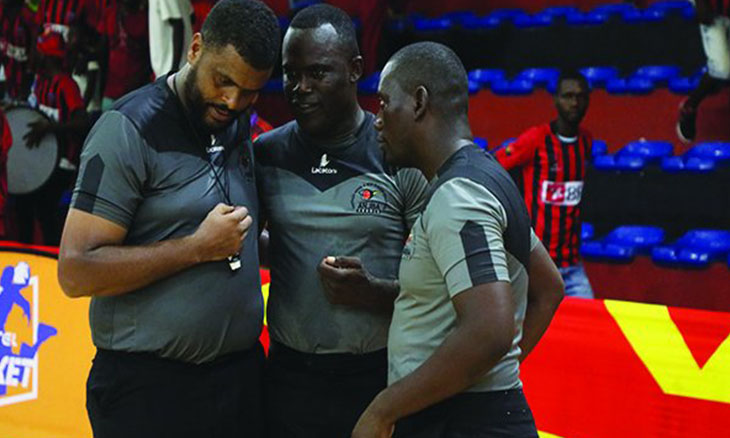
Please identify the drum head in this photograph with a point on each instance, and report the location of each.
(29, 169)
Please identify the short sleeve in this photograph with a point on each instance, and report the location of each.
(113, 170)
(175, 9)
(72, 95)
(534, 240)
(412, 186)
(464, 224)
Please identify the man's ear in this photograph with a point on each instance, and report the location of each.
(356, 69)
(195, 49)
(421, 99)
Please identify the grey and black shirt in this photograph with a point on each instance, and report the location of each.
(144, 168)
(474, 229)
(329, 200)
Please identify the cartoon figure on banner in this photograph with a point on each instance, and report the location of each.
(18, 358)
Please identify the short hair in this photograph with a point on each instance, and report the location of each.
(437, 68)
(572, 75)
(249, 26)
(317, 15)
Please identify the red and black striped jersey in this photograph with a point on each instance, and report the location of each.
(719, 7)
(15, 48)
(549, 170)
(259, 126)
(58, 97)
(6, 140)
(60, 15)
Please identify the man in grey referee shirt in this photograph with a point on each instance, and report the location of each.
(465, 315)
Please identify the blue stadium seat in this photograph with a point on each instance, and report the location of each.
(480, 23)
(505, 87)
(630, 163)
(683, 85)
(696, 248)
(589, 19)
(506, 14)
(540, 76)
(369, 85)
(474, 87)
(652, 151)
(658, 73)
(598, 76)
(560, 11)
(617, 86)
(599, 147)
(699, 165)
(607, 251)
(432, 24)
(586, 231)
(283, 23)
(673, 164)
(605, 162)
(717, 151)
(659, 10)
(641, 238)
(486, 76)
(537, 20)
(481, 142)
(624, 11)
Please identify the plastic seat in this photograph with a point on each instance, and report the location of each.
(659, 10)
(683, 85)
(605, 162)
(586, 231)
(474, 87)
(537, 20)
(486, 76)
(623, 11)
(506, 14)
(274, 85)
(672, 164)
(696, 248)
(598, 76)
(641, 238)
(517, 87)
(599, 147)
(630, 163)
(560, 11)
(658, 73)
(715, 242)
(589, 19)
(652, 151)
(639, 85)
(540, 76)
(607, 251)
(717, 151)
(480, 23)
(481, 142)
(699, 165)
(617, 86)
(432, 24)
(369, 85)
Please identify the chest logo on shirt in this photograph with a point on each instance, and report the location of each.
(369, 198)
(566, 194)
(322, 169)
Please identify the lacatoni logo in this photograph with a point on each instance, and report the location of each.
(323, 169)
(21, 334)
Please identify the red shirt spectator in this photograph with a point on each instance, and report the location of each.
(201, 9)
(125, 25)
(259, 126)
(16, 37)
(6, 140)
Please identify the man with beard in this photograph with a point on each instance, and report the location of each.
(158, 237)
(337, 217)
(549, 164)
(456, 338)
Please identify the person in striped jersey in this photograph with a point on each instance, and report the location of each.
(56, 95)
(15, 43)
(549, 163)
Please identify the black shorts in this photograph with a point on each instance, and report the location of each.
(320, 395)
(498, 414)
(140, 395)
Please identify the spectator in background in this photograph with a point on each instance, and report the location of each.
(6, 140)
(549, 162)
(714, 19)
(201, 9)
(170, 34)
(16, 37)
(55, 94)
(258, 125)
(126, 30)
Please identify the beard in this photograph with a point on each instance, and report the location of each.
(197, 106)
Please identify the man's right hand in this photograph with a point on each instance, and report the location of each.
(222, 232)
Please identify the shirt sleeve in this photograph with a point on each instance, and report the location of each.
(519, 152)
(464, 224)
(534, 240)
(6, 139)
(175, 9)
(72, 96)
(412, 186)
(113, 170)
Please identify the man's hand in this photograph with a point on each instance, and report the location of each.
(371, 425)
(38, 130)
(345, 281)
(222, 232)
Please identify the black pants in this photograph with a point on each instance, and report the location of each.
(140, 395)
(43, 205)
(498, 414)
(320, 395)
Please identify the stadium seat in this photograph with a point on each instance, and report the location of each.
(598, 76)
(683, 85)
(699, 165)
(672, 164)
(696, 248)
(537, 20)
(506, 15)
(474, 87)
(506, 87)
(599, 147)
(658, 73)
(486, 76)
(605, 162)
(623, 11)
(369, 85)
(432, 24)
(545, 76)
(652, 151)
(586, 231)
(715, 150)
(641, 238)
(589, 19)
(607, 251)
(632, 85)
(481, 142)
(659, 10)
(480, 23)
(274, 85)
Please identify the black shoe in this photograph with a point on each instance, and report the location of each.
(686, 124)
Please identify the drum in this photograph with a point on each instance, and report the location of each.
(28, 168)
